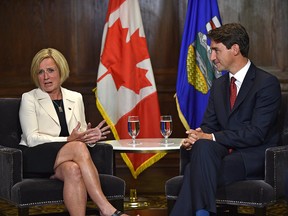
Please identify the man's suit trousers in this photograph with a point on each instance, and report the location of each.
(210, 165)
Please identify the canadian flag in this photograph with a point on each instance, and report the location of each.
(125, 81)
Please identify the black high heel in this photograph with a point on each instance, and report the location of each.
(117, 213)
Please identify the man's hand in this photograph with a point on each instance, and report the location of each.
(193, 136)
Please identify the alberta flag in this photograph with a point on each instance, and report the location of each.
(195, 70)
(125, 81)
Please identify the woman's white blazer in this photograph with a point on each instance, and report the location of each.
(39, 120)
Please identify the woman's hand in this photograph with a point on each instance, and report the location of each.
(104, 130)
(91, 135)
(95, 134)
(76, 135)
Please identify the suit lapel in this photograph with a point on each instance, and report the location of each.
(47, 105)
(69, 104)
(45, 102)
(225, 92)
(245, 87)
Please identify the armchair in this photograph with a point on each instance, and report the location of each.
(254, 193)
(28, 192)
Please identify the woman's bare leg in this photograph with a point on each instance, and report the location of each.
(78, 152)
(74, 191)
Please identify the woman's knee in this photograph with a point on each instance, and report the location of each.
(71, 170)
(72, 151)
(79, 149)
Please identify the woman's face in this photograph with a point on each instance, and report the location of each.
(49, 76)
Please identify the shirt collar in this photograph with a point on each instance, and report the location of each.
(240, 75)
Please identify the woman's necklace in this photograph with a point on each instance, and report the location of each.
(60, 109)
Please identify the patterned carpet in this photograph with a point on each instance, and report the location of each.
(278, 209)
(151, 202)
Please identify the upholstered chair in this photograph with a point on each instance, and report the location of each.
(28, 192)
(254, 193)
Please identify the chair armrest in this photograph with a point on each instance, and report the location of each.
(11, 170)
(276, 164)
(103, 157)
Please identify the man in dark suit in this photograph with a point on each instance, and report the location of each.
(236, 130)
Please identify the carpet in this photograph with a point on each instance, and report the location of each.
(150, 202)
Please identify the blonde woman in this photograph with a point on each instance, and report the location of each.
(55, 135)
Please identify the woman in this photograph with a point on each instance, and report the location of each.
(53, 120)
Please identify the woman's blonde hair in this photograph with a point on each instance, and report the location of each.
(59, 59)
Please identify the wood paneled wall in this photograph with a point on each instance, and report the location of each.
(75, 28)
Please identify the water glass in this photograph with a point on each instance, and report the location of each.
(166, 127)
(133, 127)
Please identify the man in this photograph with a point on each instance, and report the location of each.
(238, 126)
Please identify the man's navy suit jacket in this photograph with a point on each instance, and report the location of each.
(250, 127)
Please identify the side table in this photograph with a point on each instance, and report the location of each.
(144, 145)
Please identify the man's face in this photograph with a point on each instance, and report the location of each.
(221, 56)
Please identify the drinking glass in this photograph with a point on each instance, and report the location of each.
(166, 127)
(133, 127)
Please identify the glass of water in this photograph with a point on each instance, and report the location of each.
(133, 127)
(166, 127)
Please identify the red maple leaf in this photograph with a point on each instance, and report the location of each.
(120, 58)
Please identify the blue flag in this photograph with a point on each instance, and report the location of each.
(195, 70)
